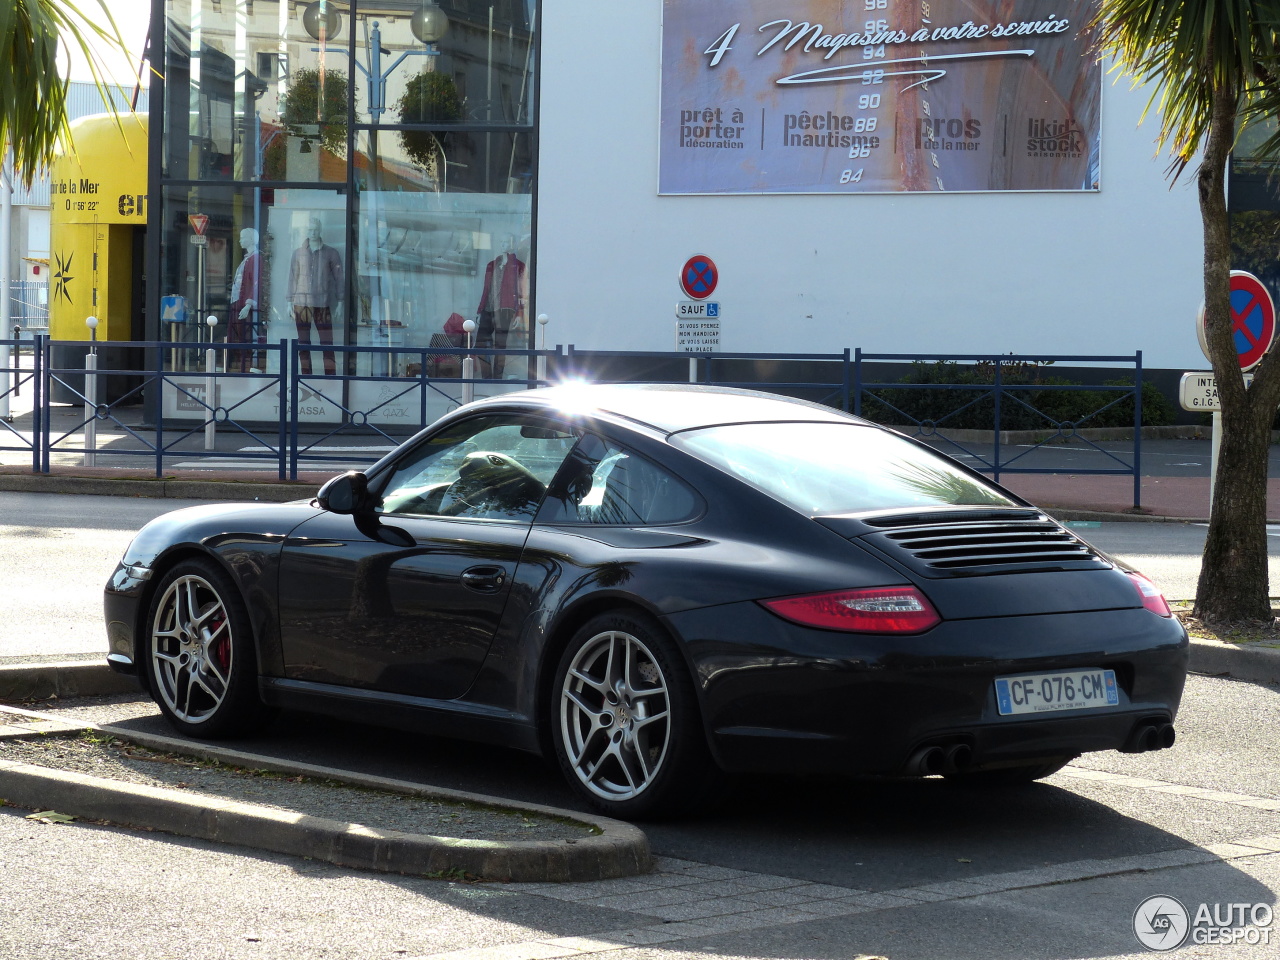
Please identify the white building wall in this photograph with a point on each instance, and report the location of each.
(1067, 273)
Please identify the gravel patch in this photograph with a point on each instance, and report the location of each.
(113, 709)
(110, 758)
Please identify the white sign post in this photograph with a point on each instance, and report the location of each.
(697, 330)
(1198, 393)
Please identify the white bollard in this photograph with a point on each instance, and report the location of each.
(469, 366)
(543, 320)
(211, 388)
(5, 381)
(91, 396)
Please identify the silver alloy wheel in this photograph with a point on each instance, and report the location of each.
(615, 715)
(191, 648)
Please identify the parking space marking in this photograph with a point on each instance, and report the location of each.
(1173, 789)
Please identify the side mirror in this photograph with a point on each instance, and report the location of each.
(346, 493)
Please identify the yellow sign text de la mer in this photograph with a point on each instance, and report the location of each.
(98, 199)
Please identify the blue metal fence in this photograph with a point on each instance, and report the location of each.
(1002, 395)
(182, 409)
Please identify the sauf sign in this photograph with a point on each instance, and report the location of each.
(867, 96)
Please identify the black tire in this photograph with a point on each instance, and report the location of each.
(1010, 776)
(628, 732)
(200, 656)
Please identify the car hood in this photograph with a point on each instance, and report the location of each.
(210, 524)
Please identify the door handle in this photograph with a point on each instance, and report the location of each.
(484, 579)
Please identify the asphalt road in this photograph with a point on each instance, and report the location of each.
(58, 553)
(1168, 553)
(1118, 840)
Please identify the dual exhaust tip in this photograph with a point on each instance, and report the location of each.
(930, 761)
(1150, 735)
(938, 759)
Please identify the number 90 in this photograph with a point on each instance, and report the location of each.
(868, 101)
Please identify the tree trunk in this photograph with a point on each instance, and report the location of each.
(1233, 577)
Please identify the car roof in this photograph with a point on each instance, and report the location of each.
(675, 407)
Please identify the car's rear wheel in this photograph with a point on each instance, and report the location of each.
(1010, 776)
(200, 653)
(625, 721)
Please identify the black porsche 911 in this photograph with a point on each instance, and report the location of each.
(657, 584)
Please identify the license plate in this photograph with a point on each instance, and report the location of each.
(1053, 692)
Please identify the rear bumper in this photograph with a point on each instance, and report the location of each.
(780, 698)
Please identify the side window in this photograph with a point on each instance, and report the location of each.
(603, 483)
(492, 467)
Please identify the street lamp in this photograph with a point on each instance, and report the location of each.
(429, 24)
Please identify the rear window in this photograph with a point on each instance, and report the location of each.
(828, 468)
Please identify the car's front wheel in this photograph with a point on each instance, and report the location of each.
(200, 654)
(626, 725)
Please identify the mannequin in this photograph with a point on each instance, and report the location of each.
(315, 287)
(243, 325)
(501, 301)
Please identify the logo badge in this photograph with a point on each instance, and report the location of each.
(1161, 923)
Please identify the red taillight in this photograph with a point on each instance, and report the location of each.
(877, 610)
(1151, 596)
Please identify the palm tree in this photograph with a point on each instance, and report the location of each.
(33, 114)
(1210, 63)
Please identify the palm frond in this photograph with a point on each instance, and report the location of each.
(33, 90)
(1188, 51)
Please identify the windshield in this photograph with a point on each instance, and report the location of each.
(828, 468)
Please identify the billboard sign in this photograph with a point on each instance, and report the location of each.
(878, 96)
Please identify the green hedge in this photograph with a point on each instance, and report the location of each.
(1032, 408)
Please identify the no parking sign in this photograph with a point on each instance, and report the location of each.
(699, 276)
(1253, 319)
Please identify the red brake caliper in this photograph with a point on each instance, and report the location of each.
(222, 646)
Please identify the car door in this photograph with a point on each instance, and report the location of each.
(406, 599)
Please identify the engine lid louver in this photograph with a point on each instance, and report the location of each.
(968, 545)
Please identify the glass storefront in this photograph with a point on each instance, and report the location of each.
(363, 172)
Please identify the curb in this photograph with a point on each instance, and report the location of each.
(620, 849)
(1064, 514)
(70, 678)
(279, 491)
(1254, 662)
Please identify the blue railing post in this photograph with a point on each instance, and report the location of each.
(1137, 431)
(159, 382)
(292, 393)
(46, 349)
(282, 384)
(995, 436)
(844, 381)
(422, 386)
(37, 391)
(857, 381)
